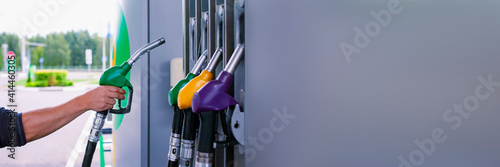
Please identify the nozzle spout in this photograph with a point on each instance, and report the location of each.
(144, 49)
(197, 66)
(235, 59)
(214, 61)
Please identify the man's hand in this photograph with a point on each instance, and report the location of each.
(102, 98)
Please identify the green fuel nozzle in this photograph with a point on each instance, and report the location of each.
(114, 76)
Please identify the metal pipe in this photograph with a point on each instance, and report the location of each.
(235, 59)
(197, 67)
(144, 49)
(214, 61)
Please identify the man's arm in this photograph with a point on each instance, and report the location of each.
(42, 122)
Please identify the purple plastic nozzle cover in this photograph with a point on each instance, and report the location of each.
(213, 96)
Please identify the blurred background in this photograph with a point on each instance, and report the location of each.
(59, 33)
(50, 39)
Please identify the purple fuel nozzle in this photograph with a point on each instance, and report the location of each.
(213, 96)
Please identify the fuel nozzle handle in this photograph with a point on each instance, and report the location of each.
(144, 49)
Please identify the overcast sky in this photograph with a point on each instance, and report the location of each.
(47, 16)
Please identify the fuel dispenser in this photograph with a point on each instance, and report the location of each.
(214, 97)
(115, 76)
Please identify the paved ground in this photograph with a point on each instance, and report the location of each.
(57, 148)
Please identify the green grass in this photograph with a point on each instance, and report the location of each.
(83, 80)
(90, 81)
(22, 82)
(94, 82)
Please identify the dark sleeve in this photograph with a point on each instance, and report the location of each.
(11, 129)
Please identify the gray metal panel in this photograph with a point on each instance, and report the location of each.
(370, 111)
(239, 90)
(131, 137)
(211, 28)
(165, 21)
(228, 29)
(185, 35)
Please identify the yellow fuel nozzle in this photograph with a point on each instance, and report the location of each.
(186, 93)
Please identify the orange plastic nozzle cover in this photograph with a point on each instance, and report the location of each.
(186, 93)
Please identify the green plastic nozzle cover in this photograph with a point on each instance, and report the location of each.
(174, 92)
(116, 76)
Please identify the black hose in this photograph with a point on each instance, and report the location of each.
(97, 126)
(177, 122)
(207, 132)
(189, 125)
(173, 163)
(176, 131)
(89, 154)
(222, 117)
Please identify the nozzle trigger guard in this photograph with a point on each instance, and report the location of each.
(125, 110)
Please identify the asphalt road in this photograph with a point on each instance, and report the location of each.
(57, 148)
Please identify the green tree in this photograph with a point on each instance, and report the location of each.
(63, 49)
(76, 41)
(13, 41)
(97, 51)
(36, 54)
(37, 39)
(79, 41)
(58, 51)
